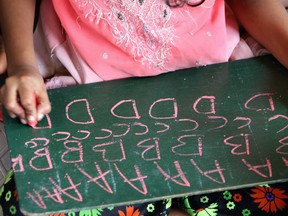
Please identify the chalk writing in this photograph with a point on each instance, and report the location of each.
(110, 144)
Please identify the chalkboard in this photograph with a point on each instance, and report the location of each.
(188, 132)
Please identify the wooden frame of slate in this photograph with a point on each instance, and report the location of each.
(193, 131)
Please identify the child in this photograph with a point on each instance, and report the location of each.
(148, 47)
(103, 40)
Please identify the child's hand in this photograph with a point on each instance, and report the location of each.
(19, 92)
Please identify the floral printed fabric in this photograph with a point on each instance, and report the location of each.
(256, 201)
(261, 200)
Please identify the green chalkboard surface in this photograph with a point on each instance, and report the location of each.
(192, 131)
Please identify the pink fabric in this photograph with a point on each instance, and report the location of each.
(105, 40)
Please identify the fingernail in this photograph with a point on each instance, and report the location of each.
(23, 121)
(40, 116)
(13, 115)
(31, 118)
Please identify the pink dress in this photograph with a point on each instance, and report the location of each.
(100, 40)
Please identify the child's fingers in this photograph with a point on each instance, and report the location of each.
(43, 104)
(9, 98)
(27, 100)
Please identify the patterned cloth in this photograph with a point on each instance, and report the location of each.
(105, 40)
(270, 200)
(256, 201)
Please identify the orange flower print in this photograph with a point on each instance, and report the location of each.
(129, 212)
(15, 194)
(270, 199)
(237, 197)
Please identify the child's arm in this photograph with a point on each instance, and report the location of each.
(24, 81)
(267, 22)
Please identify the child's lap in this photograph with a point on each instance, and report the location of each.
(255, 201)
(259, 200)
